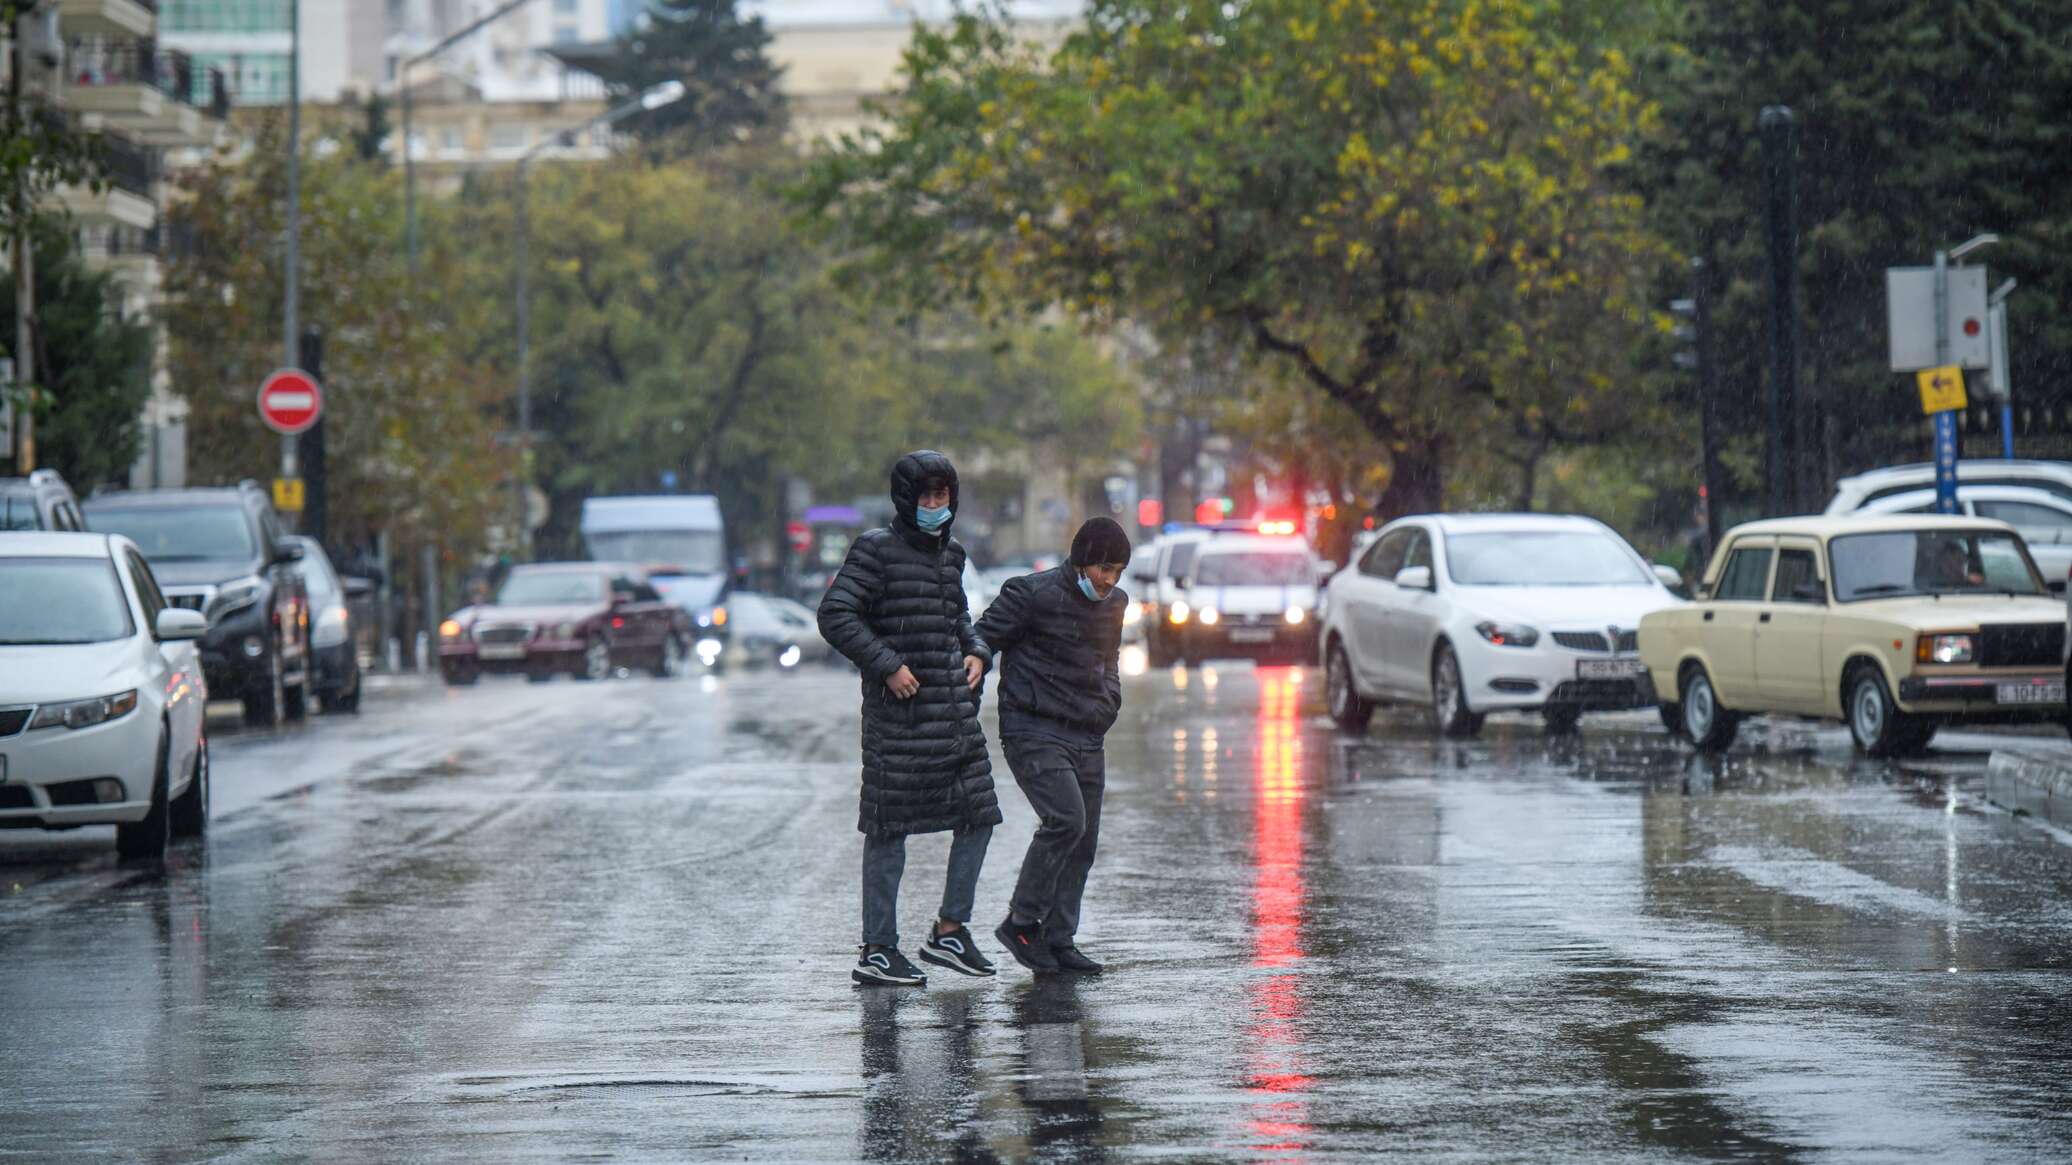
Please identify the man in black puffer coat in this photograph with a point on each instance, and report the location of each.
(897, 610)
(1060, 634)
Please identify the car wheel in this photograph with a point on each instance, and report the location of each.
(147, 839)
(191, 808)
(264, 699)
(1450, 714)
(348, 699)
(1705, 723)
(1562, 719)
(1350, 711)
(1918, 733)
(671, 663)
(1157, 654)
(597, 660)
(1876, 724)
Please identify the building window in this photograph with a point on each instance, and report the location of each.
(451, 139)
(177, 16)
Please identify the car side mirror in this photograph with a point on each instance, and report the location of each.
(2055, 586)
(176, 624)
(1415, 578)
(285, 553)
(1669, 576)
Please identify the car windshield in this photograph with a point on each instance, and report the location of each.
(693, 551)
(18, 511)
(61, 600)
(179, 533)
(1931, 562)
(1254, 568)
(1542, 558)
(529, 587)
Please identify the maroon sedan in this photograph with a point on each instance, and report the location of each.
(583, 618)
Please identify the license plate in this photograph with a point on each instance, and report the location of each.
(1251, 635)
(2051, 693)
(501, 651)
(1608, 669)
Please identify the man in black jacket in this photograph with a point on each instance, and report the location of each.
(1060, 690)
(897, 610)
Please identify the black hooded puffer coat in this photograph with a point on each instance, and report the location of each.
(899, 600)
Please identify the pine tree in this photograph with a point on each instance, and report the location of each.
(731, 93)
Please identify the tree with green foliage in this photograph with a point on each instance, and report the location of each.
(1416, 208)
(94, 363)
(1919, 127)
(411, 423)
(731, 86)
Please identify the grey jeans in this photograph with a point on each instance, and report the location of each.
(1064, 786)
(884, 860)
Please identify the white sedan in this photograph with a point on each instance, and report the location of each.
(101, 694)
(1473, 614)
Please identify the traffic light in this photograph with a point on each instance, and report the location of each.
(1686, 333)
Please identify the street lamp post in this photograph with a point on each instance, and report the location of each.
(666, 93)
(403, 83)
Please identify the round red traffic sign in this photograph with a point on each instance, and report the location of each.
(290, 401)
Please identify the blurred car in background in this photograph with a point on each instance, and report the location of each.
(2042, 518)
(584, 619)
(223, 552)
(101, 694)
(1252, 596)
(40, 501)
(334, 658)
(774, 631)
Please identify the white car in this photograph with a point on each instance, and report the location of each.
(1158, 583)
(1473, 614)
(101, 694)
(1855, 493)
(2042, 518)
(1245, 595)
(772, 630)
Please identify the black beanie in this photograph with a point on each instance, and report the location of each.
(1098, 542)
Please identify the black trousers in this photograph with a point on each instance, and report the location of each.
(1064, 786)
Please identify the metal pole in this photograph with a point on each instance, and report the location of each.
(409, 175)
(24, 274)
(1708, 403)
(524, 445)
(1779, 131)
(291, 331)
(1948, 441)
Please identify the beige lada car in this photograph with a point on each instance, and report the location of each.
(1894, 625)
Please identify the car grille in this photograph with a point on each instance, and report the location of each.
(504, 633)
(1623, 642)
(13, 720)
(2021, 645)
(1629, 642)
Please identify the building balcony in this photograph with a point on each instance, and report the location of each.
(159, 96)
(108, 17)
(129, 196)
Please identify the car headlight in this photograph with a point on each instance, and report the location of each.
(1508, 634)
(235, 596)
(1296, 616)
(1209, 617)
(450, 629)
(329, 629)
(1945, 649)
(86, 713)
(719, 616)
(1133, 615)
(1180, 613)
(567, 630)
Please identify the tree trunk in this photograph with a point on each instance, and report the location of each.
(1417, 483)
(1528, 482)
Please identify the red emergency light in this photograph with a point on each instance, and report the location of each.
(1150, 512)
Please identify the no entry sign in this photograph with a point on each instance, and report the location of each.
(290, 401)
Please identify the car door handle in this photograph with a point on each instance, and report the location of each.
(1708, 616)
(1764, 617)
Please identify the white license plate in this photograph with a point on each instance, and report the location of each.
(2051, 693)
(1608, 669)
(1251, 635)
(501, 650)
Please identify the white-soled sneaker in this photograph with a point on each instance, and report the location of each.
(956, 951)
(886, 967)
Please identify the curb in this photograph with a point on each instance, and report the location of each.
(2037, 782)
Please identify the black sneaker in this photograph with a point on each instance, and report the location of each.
(886, 967)
(956, 951)
(1070, 959)
(1026, 944)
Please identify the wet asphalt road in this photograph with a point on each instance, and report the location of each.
(614, 921)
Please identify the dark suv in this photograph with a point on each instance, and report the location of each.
(223, 552)
(40, 501)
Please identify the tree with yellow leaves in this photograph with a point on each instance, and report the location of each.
(1418, 207)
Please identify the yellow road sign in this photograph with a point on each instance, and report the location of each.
(1942, 389)
(287, 494)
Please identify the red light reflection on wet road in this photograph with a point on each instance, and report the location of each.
(1280, 1120)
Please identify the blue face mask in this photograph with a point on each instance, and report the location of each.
(931, 520)
(1086, 587)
